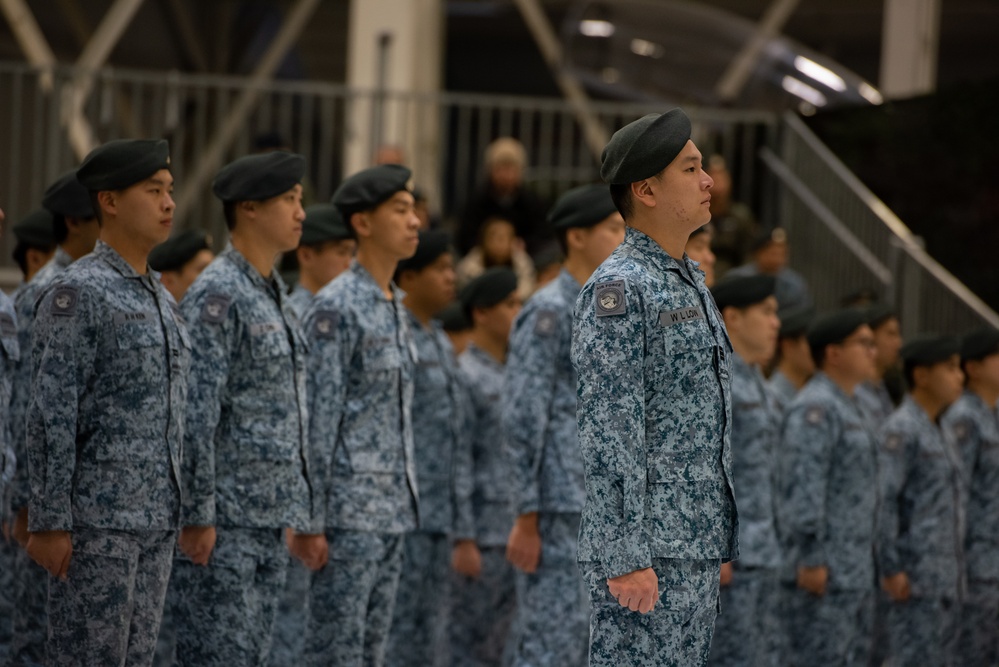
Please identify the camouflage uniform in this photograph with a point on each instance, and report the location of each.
(105, 424)
(245, 465)
(484, 607)
(419, 634)
(828, 486)
(748, 630)
(874, 402)
(361, 440)
(9, 356)
(781, 390)
(31, 581)
(539, 422)
(299, 299)
(654, 417)
(922, 534)
(974, 427)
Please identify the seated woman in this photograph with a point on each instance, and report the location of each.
(498, 246)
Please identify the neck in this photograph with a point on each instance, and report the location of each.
(75, 248)
(494, 348)
(988, 394)
(841, 380)
(380, 266)
(930, 404)
(261, 256)
(578, 268)
(421, 311)
(668, 236)
(746, 354)
(133, 250)
(309, 283)
(795, 376)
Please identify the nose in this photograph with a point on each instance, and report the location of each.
(169, 204)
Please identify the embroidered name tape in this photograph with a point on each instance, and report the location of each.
(668, 318)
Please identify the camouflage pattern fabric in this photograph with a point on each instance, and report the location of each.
(419, 634)
(482, 612)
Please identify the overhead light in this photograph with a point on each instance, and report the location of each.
(643, 47)
(804, 91)
(596, 28)
(820, 73)
(870, 93)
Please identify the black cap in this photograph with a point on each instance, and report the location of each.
(259, 177)
(488, 289)
(775, 235)
(323, 222)
(929, 349)
(794, 322)
(833, 328)
(979, 344)
(878, 314)
(178, 250)
(123, 162)
(432, 245)
(743, 291)
(585, 206)
(35, 229)
(67, 197)
(645, 147)
(453, 319)
(368, 188)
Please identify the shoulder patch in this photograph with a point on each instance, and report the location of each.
(961, 429)
(216, 308)
(609, 298)
(545, 324)
(325, 323)
(64, 300)
(815, 414)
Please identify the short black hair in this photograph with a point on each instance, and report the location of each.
(909, 373)
(60, 230)
(819, 354)
(621, 194)
(95, 202)
(20, 256)
(229, 213)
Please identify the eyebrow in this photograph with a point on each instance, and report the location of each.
(159, 181)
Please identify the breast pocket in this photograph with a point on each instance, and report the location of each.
(269, 341)
(382, 357)
(138, 335)
(689, 356)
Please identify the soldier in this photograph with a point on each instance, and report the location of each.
(654, 412)
(770, 252)
(456, 326)
(828, 487)
(246, 474)
(698, 248)
(35, 243)
(323, 253)
(110, 359)
(484, 593)
(181, 259)
(973, 424)
(921, 545)
(419, 624)
(539, 421)
(75, 229)
(795, 365)
(361, 436)
(748, 630)
(873, 396)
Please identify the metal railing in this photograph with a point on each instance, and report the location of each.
(845, 239)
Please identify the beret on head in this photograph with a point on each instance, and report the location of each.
(123, 162)
(979, 344)
(645, 147)
(794, 322)
(585, 206)
(368, 188)
(175, 252)
(488, 289)
(743, 291)
(453, 319)
(35, 229)
(878, 314)
(930, 349)
(432, 245)
(323, 222)
(775, 235)
(259, 177)
(67, 197)
(833, 328)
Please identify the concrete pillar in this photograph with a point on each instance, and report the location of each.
(395, 62)
(910, 43)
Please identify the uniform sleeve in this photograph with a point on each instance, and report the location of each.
(609, 355)
(893, 470)
(20, 489)
(964, 432)
(463, 478)
(807, 440)
(527, 401)
(64, 344)
(213, 328)
(332, 341)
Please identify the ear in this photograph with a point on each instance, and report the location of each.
(642, 191)
(575, 237)
(361, 222)
(920, 376)
(108, 201)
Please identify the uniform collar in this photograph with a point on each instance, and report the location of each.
(483, 356)
(825, 380)
(374, 289)
(657, 255)
(62, 258)
(570, 288)
(110, 256)
(243, 264)
(917, 412)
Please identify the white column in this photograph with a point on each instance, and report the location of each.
(910, 42)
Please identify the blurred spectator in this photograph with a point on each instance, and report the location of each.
(769, 257)
(180, 259)
(389, 154)
(498, 246)
(504, 195)
(735, 226)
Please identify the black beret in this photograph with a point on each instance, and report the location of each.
(743, 291)
(775, 235)
(259, 177)
(175, 252)
(980, 344)
(453, 319)
(488, 289)
(323, 222)
(929, 349)
(794, 322)
(368, 188)
(584, 206)
(432, 245)
(67, 197)
(878, 314)
(123, 162)
(836, 327)
(35, 229)
(645, 147)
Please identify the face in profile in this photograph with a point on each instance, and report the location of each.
(498, 237)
